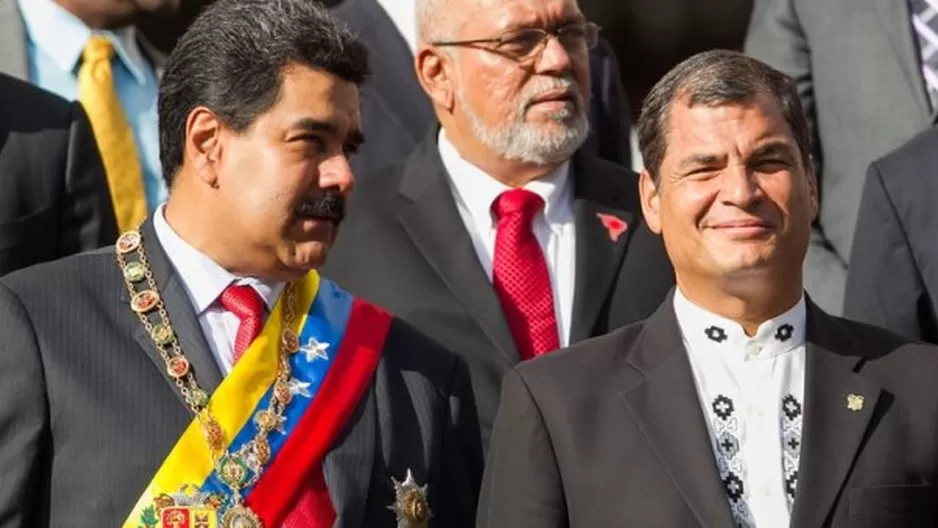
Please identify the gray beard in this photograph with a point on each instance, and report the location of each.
(521, 141)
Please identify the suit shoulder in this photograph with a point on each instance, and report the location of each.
(25, 104)
(908, 160)
(882, 348)
(579, 364)
(84, 270)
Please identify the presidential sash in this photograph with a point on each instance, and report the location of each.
(341, 342)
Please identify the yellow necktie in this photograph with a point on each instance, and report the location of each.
(98, 95)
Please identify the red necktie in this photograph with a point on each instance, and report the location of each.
(247, 305)
(520, 275)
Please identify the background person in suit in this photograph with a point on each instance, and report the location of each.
(53, 194)
(893, 278)
(397, 115)
(258, 109)
(499, 236)
(861, 70)
(739, 402)
(90, 51)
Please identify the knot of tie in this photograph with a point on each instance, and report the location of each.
(98, 49)
(248, 307)
(517, 201)
(243, 301)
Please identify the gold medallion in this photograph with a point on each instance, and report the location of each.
(177, 367)
(233, 471)
(135, 272)
(161, 334)
(282, 392)
(144, 301)
(241, 517)
(128, 242)
(410, 504)
(291, 342)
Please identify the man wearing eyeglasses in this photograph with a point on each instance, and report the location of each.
(498, 236)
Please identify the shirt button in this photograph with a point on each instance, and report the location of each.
(753, 348)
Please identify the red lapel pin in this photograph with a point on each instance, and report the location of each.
(615, 225)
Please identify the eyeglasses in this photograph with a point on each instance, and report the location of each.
(528, 43)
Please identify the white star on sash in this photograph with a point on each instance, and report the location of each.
(298, 388)
(315, 350)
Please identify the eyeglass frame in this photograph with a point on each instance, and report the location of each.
(536, 51)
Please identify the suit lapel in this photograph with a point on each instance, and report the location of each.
(896, 20)
(833, 433)
(348, 466)
(601, 208)
(182, 316)
(661, 396)
(432, 222)
(12, 41)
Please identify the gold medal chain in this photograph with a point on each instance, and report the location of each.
(231, 469)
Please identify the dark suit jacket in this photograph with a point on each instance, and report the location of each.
(54, 199)
(404, 246)
(611, 433)
(89, 414)
(857, 114)
(893, 277)
(397, 114)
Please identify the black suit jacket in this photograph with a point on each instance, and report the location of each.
(397, 114)
(893, 277)
(611, 433)
(404, 246)
(54, 199)
(89, 414)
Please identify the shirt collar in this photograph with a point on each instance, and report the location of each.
(203, 278)
(478, 190)
(707, 332)
(62, 36)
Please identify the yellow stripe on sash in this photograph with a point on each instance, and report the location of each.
(232, 404)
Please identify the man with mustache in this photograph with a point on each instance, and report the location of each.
(739, 402)
(499, 237)
(201, 371)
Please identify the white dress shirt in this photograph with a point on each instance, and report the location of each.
(752, 393)
(404, 15)
(474, 192)
(204, 281)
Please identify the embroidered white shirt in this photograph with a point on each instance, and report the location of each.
(475, 191)
(204, 281)
(752, 394)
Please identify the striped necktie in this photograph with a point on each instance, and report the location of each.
(925, 23)
(98, 95)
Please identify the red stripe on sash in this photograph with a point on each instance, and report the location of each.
(299, 462)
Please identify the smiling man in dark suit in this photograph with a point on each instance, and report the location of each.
(500, 236)
(739, 402)
(53, 194)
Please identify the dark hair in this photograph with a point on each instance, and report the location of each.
(715, 78)
(232, 58)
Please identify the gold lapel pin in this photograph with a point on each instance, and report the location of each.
(855, 402)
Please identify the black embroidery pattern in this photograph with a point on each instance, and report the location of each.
(792, 414)
(716, 334)
(784, 332)
(729, 463)
(723, 407)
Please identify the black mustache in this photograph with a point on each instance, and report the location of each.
(328, 205)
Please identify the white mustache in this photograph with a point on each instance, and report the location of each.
(545, 85)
